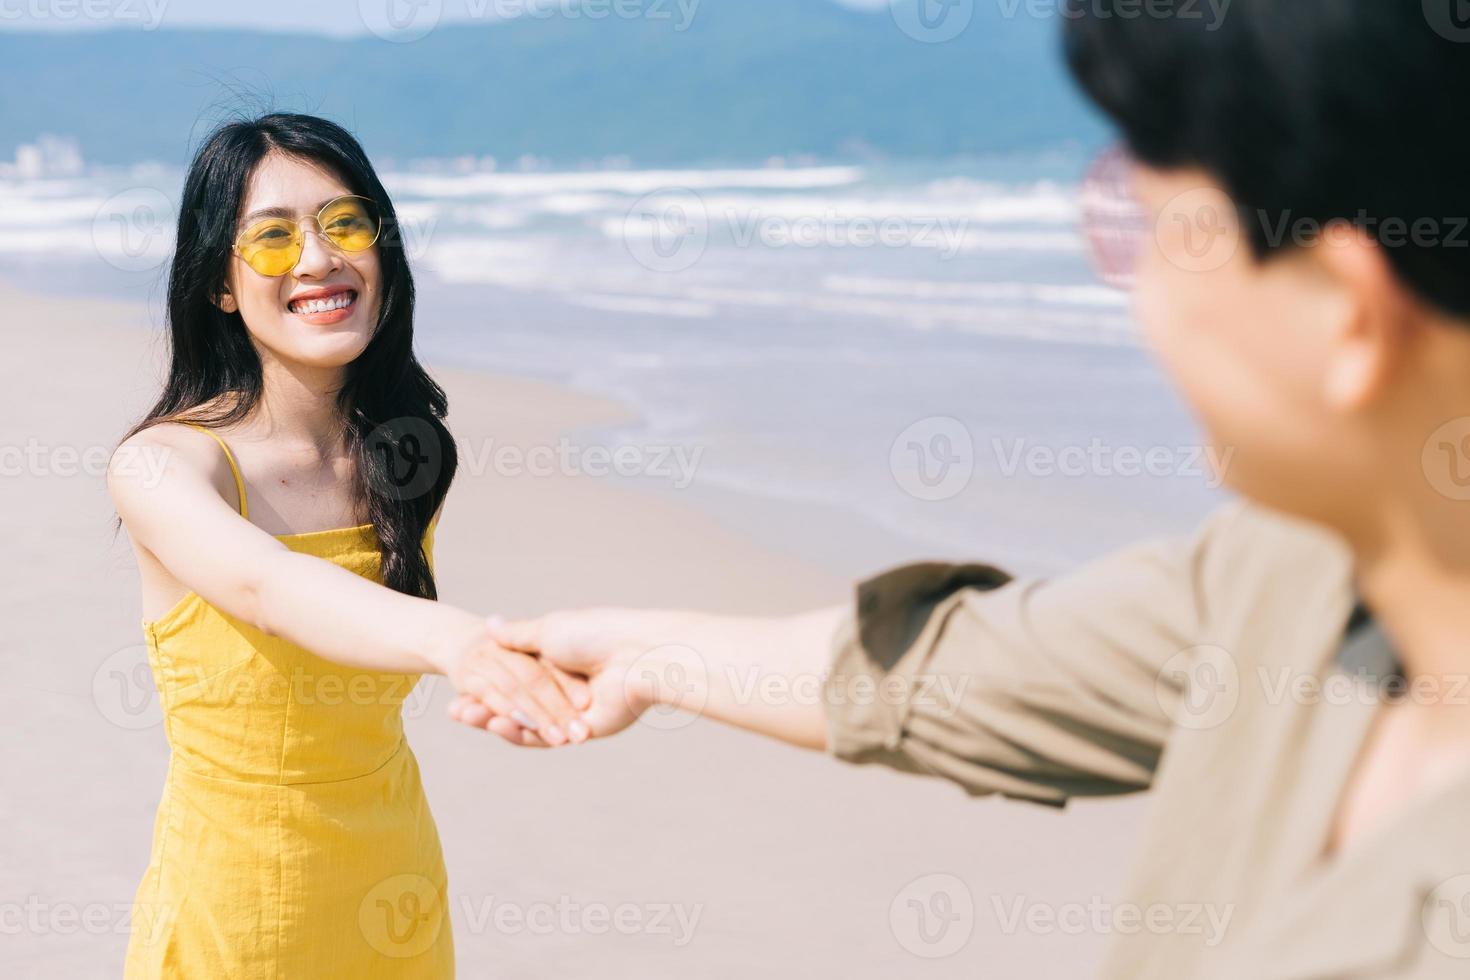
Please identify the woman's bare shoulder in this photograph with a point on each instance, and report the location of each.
(160, 452)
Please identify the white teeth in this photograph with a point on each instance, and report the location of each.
(336, 302)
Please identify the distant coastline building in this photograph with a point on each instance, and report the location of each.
(48, 156)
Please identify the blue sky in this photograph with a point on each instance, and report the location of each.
(327, 16)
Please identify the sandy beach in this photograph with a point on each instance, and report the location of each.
(691, 851)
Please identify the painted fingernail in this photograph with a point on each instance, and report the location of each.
(554, 735)
(579, 731)
(524, 720)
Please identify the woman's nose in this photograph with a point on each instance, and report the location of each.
(318, 259)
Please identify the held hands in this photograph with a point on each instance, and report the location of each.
(530, 694)
(598, 653)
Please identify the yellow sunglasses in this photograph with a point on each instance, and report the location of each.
(272, 247)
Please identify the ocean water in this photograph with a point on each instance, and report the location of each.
(917, 350)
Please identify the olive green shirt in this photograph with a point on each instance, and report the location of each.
(1233, 674)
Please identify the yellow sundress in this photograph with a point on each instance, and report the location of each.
(293, 840)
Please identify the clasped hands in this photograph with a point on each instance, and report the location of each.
(558, 680)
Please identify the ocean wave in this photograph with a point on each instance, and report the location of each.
(616, 181)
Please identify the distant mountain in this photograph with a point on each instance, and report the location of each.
(747, 79)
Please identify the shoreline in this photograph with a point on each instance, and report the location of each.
(784, 861)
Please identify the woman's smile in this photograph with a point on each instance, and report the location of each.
(324, 306)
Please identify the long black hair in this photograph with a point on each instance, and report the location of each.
(391, 409)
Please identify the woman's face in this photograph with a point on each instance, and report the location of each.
(273, 308)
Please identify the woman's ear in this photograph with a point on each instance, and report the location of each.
(225, 300)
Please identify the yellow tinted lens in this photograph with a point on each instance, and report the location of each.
(350, 223)
(271, 248)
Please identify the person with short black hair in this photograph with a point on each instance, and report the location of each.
(1293, 680)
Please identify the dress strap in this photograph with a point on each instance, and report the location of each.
(234, 467)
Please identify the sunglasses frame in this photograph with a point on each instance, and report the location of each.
(1113, 221)
(299, 240)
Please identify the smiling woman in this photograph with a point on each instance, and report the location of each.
(287, 579)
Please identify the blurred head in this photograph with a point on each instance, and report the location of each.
(228, 321)
(1306, 276)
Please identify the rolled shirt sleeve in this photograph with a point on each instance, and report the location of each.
(1033, 689)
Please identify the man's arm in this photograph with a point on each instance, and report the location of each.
(1035, 689)
(764, 675)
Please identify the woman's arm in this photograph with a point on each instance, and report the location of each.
(176, 512)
